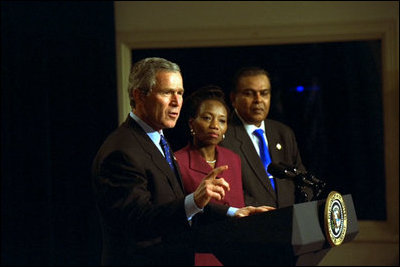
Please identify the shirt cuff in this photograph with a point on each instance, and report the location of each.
(231, 211)
(191, 208)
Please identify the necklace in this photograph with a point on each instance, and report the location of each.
(211, 161)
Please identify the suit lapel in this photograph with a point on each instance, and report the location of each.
(250, 154)
(177, 174)
(197, 163)
(160, 162)
(273, 142)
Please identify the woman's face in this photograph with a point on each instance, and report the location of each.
(210, 124)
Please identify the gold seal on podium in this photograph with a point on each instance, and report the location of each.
(335, 218)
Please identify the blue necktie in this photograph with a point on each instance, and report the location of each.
(264, 154)
(167, 152)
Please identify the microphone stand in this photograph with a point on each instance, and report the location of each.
(308, 187)
(308, 180)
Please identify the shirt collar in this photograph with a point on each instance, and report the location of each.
(250, 127)
(153, 134)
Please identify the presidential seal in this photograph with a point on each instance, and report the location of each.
(335, 219)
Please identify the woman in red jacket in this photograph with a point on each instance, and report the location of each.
(207, 116)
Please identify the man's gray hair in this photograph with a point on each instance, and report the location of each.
(143, 75)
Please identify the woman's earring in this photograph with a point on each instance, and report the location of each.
(223, 136)
(192, 132)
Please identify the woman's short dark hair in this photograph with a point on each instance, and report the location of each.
(209, 92)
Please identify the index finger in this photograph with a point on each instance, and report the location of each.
(264, 208)
(212, 174)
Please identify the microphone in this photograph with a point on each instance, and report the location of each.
(315, 180)
(282, 171)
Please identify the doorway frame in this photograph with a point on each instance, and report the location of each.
(385, 31)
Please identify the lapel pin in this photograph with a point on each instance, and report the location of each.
(278, 146)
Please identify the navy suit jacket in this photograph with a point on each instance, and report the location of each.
(282, 147)
(141, 202)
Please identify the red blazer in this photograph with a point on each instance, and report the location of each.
(194, 167)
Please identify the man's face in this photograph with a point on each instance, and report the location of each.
(252, 98)
(161, 108)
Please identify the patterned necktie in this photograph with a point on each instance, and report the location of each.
(264, 154)
(167, 152)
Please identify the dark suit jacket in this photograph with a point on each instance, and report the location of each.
(282, 147)
(193, 168)
(141, 202)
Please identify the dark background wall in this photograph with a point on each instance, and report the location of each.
(58, 103)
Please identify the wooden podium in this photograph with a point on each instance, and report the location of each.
(293, 236)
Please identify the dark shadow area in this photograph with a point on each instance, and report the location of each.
(58, 103)
(330, 94)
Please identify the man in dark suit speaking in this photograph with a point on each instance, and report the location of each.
(251, 100)
(137, 182)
